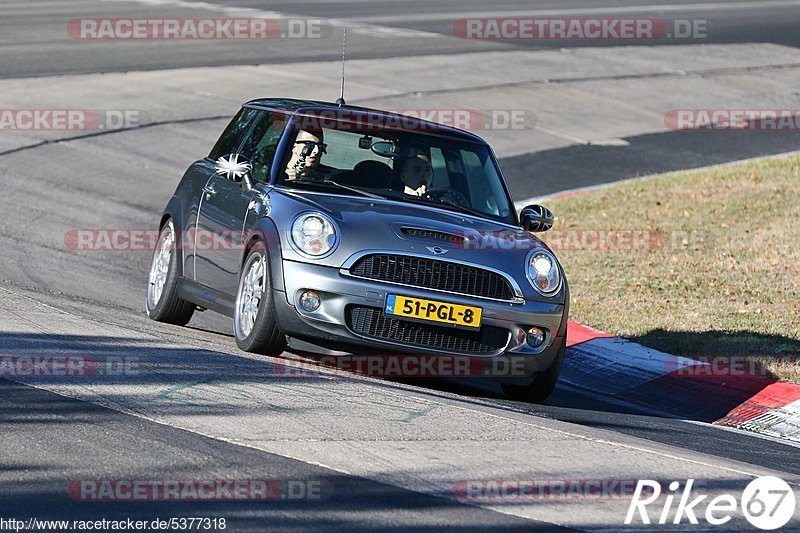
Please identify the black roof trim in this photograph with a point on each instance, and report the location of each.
(296, 106)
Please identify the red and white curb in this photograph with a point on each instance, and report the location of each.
(678, 386)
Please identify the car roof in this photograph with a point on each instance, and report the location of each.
(299, 107)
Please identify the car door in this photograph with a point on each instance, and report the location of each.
(229, 142)
(230, 208)
(218, 239)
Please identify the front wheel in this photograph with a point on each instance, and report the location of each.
(254, 324)
(543, 383)
(163, 303)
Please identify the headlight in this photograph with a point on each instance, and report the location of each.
(543, 273)
(313, 234)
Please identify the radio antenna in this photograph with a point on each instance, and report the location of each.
(340, 102)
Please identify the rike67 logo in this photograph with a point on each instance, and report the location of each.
(767, 503)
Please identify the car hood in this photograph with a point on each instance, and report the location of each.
(367, 224)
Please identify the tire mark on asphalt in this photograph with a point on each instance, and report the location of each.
(110, 132)
(617, 77)
(547, 81)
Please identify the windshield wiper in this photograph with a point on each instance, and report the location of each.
(467, 210)
(355, 190)
(405, 197)
(444, 204)
(304, 183)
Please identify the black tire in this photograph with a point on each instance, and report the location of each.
(543, 383)
(167, 307)
(265, 337)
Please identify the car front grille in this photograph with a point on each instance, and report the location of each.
(434, 274)
(372, 322)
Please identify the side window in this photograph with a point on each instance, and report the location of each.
(232, 137)
(262, 143)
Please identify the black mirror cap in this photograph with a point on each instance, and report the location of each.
(536, 218)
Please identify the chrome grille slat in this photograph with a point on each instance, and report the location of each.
(373, 322)
(428, 273)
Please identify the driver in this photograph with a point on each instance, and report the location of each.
(306, 155)
(417, 174)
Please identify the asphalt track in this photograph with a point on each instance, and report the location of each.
(34, 41)
(122, 179)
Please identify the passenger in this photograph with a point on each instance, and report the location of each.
(306, 156)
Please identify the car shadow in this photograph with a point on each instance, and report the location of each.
(143, 375)
(733, 373)
(721, 343)
(728, 377)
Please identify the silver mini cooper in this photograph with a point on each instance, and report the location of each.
(363, 230)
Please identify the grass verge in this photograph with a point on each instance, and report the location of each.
(701, 263)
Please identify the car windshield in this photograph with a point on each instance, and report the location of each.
(397, 165)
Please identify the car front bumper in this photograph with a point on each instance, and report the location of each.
(332, 322)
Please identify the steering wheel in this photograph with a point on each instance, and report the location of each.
(448, 195)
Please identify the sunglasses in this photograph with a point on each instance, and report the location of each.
(310, 145)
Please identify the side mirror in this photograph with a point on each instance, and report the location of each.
(234, 167)
(536, 218)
